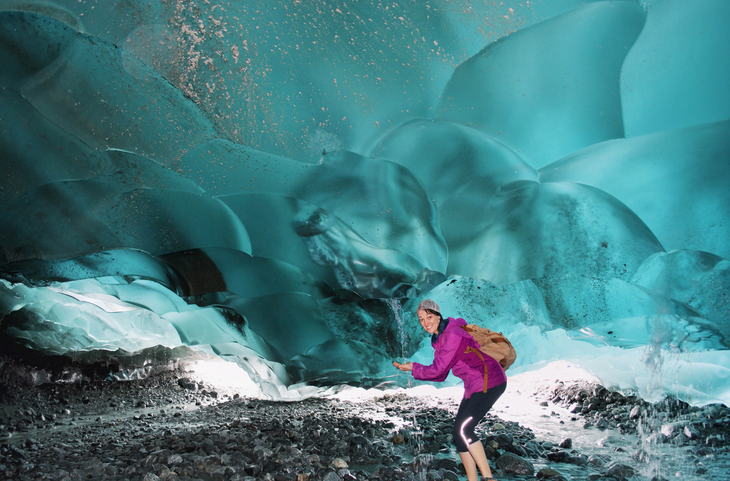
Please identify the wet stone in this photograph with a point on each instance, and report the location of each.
(548, 473)
(597, 460)
(513, 464)
(558, 456)
(331, 476)
(618, 470)
(715, 440)
(580, 460)
(691, 432)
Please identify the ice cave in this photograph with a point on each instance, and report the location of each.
(277, 184)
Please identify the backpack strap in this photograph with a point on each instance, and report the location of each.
(481, 356)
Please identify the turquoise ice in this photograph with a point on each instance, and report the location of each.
(279, 185)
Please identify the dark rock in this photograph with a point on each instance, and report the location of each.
(575, 408)
(517, 449)
(715, 440)
(490, 452)
(566, 443)
(513, 464)
(534, 449)
(558, 456)
(261, 454)
(503, 440)
(254, 469)
(547, 473)
(618, 470)
(450, 476)
(580, 460)
(188, 384)
(94, 468)
(597, 460)
(360, 440)
(444, 463)
(703, 452)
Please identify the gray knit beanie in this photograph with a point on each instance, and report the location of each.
(428, 304)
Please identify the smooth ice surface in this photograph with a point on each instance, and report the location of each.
(72, 218)
(552, 88)
(450, 159)
(689, 210)
(676, 73)
(278, 187)
(66, 157)
(530, 230)
(98, 92)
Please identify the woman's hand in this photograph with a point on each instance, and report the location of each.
(404, 367)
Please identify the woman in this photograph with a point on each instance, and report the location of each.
(484, 380)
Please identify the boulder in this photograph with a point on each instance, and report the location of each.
(513, 464)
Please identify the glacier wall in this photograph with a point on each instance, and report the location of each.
(279, 183)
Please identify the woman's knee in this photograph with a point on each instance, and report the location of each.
(463, 433)
(461, 446)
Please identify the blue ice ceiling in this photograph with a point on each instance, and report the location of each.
(278, 183)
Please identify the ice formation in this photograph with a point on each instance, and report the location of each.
(279, 187)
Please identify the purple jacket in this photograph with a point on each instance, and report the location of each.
(453, 354)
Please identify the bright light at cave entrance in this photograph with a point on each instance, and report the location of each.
(227, 378)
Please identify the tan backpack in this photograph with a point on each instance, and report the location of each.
(493, 344)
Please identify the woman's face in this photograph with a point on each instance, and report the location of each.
(430, 322)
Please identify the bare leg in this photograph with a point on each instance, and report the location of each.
(479, 458)
(471, 410)
(469, 465)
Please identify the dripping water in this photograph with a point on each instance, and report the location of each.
(394, 305)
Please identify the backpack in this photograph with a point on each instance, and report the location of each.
(493, 344)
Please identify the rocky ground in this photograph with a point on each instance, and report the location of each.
(170, 427)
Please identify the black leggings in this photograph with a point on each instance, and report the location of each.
(471, 411)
